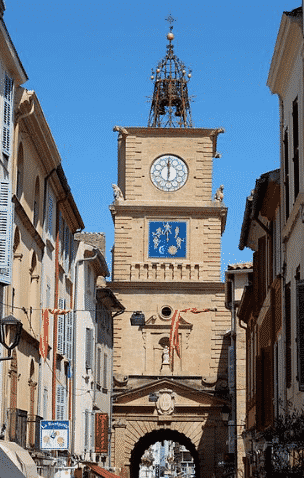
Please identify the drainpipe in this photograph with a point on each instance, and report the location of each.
(74, 347)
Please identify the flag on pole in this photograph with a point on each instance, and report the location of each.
(174, 337)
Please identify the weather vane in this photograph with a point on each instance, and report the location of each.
(170, 19)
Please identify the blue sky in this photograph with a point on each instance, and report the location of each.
(90, 64)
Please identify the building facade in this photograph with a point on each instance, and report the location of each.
(170, 350)
(260, 310)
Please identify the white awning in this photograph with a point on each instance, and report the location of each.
(15, 462)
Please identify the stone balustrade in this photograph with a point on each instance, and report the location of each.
(167, 271)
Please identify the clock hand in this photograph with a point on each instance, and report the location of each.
(168, 166)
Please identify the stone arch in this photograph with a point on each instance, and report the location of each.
(154, 436)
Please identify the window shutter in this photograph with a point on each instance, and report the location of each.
(69, 335)
(98, 367)
(6, 225)
(268, 385)
(105, 371)
(61, 329)
(259, 392)
(86, 429)
(288, 335)
(60, 402)
(60, 227)
(231, 360)
(50, 213)
(300, 332)
(66, 249)
(45, 402)
(7, 114)
(89, 348)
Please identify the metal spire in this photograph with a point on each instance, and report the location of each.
(170, 102)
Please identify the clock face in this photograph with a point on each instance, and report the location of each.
(169, 173)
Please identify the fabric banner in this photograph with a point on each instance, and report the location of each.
(174, 338)
(101, 432)
(44, 337)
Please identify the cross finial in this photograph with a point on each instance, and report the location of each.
(170, 19)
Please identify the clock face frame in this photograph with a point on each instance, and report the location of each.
(169, 173)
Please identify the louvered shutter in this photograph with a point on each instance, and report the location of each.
(98, 367)
(231, 362)
(69, 335)
(66, 249)
(268, 384)
(60, 402)
(300, 332)
(6, 225)
(7, 114)
(259, 392)
(89, 348)
(61, 329)
(288, 335)
(50, 213)
(86, 429)
(281, 390)
(60, 227)
(105, 371)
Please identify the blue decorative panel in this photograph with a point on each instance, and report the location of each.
(167, 239)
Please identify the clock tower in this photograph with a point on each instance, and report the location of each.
(170, 344)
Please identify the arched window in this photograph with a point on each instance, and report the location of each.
(19, 187)
(36, 202)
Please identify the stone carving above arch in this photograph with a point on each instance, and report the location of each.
(166, 402)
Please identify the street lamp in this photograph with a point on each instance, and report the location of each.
(15, 326)
(225, 412)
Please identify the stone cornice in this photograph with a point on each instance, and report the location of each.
(288, 45)
(128, 208)
(202, 287)
(139, 130)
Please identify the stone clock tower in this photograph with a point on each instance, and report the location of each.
(170, 344)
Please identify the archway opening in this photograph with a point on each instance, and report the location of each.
(174, 446)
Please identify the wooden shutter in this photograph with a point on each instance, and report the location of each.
(268, 385)
(50, 213)
(105, 371)
(98, 367)
(86, 429)
(259, 392)
(6, 226)
(231, 363)
(69, 335)
(61, 329)
(89, 348)
(288, 335)
(256, 283)
(60, 402)
(7, 114)
(101, 432)
(300, 332)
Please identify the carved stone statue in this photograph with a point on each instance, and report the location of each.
(117, 192)
(165, 356)
(219, 195)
